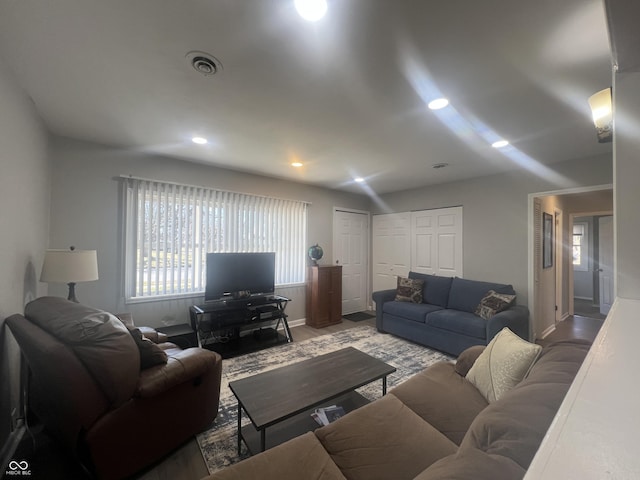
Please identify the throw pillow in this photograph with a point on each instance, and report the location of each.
(150, 353)
(409, 290)
(503, 364)
(492, 303)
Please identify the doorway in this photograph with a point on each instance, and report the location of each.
(592, 258)
(551, 290)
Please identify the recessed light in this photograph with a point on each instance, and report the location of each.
(296, 164)
(358, 179)
(311, 10)
(438, 103)
(200, 140)
(500, 144)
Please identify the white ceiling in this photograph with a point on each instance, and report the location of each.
(346, 96)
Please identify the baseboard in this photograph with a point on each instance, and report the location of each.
(547, 331)
(10, 446)
(565, 316)
(296, 323)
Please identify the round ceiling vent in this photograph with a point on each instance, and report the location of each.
(204, 63)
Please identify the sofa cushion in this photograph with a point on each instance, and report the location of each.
(473, 464)
(442, 397)
(515, 425)
(409, 290)
(464, 323)
(503, 364)
(466, 294)
(436, 289)
(492, 303)
(301, 457)
(101, 342)
(383, 440)
(411, 311)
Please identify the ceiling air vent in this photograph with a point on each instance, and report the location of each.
(204, 63)
(440, 165)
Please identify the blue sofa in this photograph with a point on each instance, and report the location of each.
(445, 320)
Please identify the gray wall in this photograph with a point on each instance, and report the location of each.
(24, 216)
(627, 193)
(496, 217)
(85, 213)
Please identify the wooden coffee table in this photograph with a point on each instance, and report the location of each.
(283, 399)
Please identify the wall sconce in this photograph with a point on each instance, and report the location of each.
(602, 111)
(70, 267)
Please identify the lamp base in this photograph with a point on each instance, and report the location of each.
(72, 292)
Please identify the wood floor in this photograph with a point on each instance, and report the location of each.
(576, 326)
(186, 463)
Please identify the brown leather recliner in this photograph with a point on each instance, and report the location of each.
(89, 391)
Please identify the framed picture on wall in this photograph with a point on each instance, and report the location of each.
(547, 240)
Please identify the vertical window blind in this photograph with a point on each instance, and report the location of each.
(169, 229)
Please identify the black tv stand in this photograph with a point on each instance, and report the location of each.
(236, 326)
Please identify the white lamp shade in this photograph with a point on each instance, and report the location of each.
(600, 104)
(69, 266)
(602, 112)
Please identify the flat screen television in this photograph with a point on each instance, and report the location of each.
(239, 274)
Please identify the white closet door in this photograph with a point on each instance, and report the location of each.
(391, 249)
(436, 241)
(351, 250)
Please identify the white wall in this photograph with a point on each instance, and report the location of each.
(627, 175)
(85, 213)
(24, 217)
(495, 215)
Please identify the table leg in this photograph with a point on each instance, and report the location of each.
(263, 439)
(384, 386)
(287, 330)
(239, 429)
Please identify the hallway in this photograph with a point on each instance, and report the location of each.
(576, 326)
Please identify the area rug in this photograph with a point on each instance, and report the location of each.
(218, 444)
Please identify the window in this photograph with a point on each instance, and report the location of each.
(580, 246)
(170, 228)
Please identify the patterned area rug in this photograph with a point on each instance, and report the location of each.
(219, 443)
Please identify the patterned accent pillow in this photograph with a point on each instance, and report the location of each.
(493, 303)
(502, 365)
(409, 290)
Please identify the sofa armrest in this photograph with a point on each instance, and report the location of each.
(516, 318)
(182, 366)
(380, 297)
(467, 358)
(153, 335)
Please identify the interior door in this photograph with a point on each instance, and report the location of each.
(436, 241)
(351, 250)
(605, 272)
(391, 249)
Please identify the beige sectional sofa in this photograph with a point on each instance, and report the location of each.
(436, 425)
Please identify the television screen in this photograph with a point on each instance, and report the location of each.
(229, 273)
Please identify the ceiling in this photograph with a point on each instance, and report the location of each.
(346, 96)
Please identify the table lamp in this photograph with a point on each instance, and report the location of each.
(70, 267)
